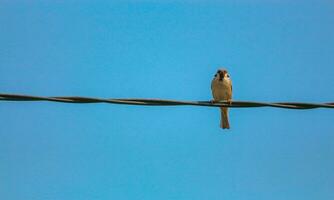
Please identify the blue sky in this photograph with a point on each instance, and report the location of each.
(171, 50)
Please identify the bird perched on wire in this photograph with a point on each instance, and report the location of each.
(221, 87)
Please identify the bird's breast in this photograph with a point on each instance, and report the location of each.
(221, 90)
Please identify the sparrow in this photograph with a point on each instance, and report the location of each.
(221, 87)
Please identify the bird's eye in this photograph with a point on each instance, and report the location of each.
(228, 75)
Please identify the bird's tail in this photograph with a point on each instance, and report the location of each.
(224, 118)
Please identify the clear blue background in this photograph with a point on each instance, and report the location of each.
(275, 51)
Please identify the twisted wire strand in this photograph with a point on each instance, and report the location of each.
(164, 102)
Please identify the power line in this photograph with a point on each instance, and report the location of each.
(164, 102)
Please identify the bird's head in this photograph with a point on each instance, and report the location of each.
(221, 74)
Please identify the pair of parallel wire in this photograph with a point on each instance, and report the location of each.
(164, 102)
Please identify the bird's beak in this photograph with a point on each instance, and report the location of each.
(221, 76)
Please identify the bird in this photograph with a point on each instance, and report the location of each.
(221, 88)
